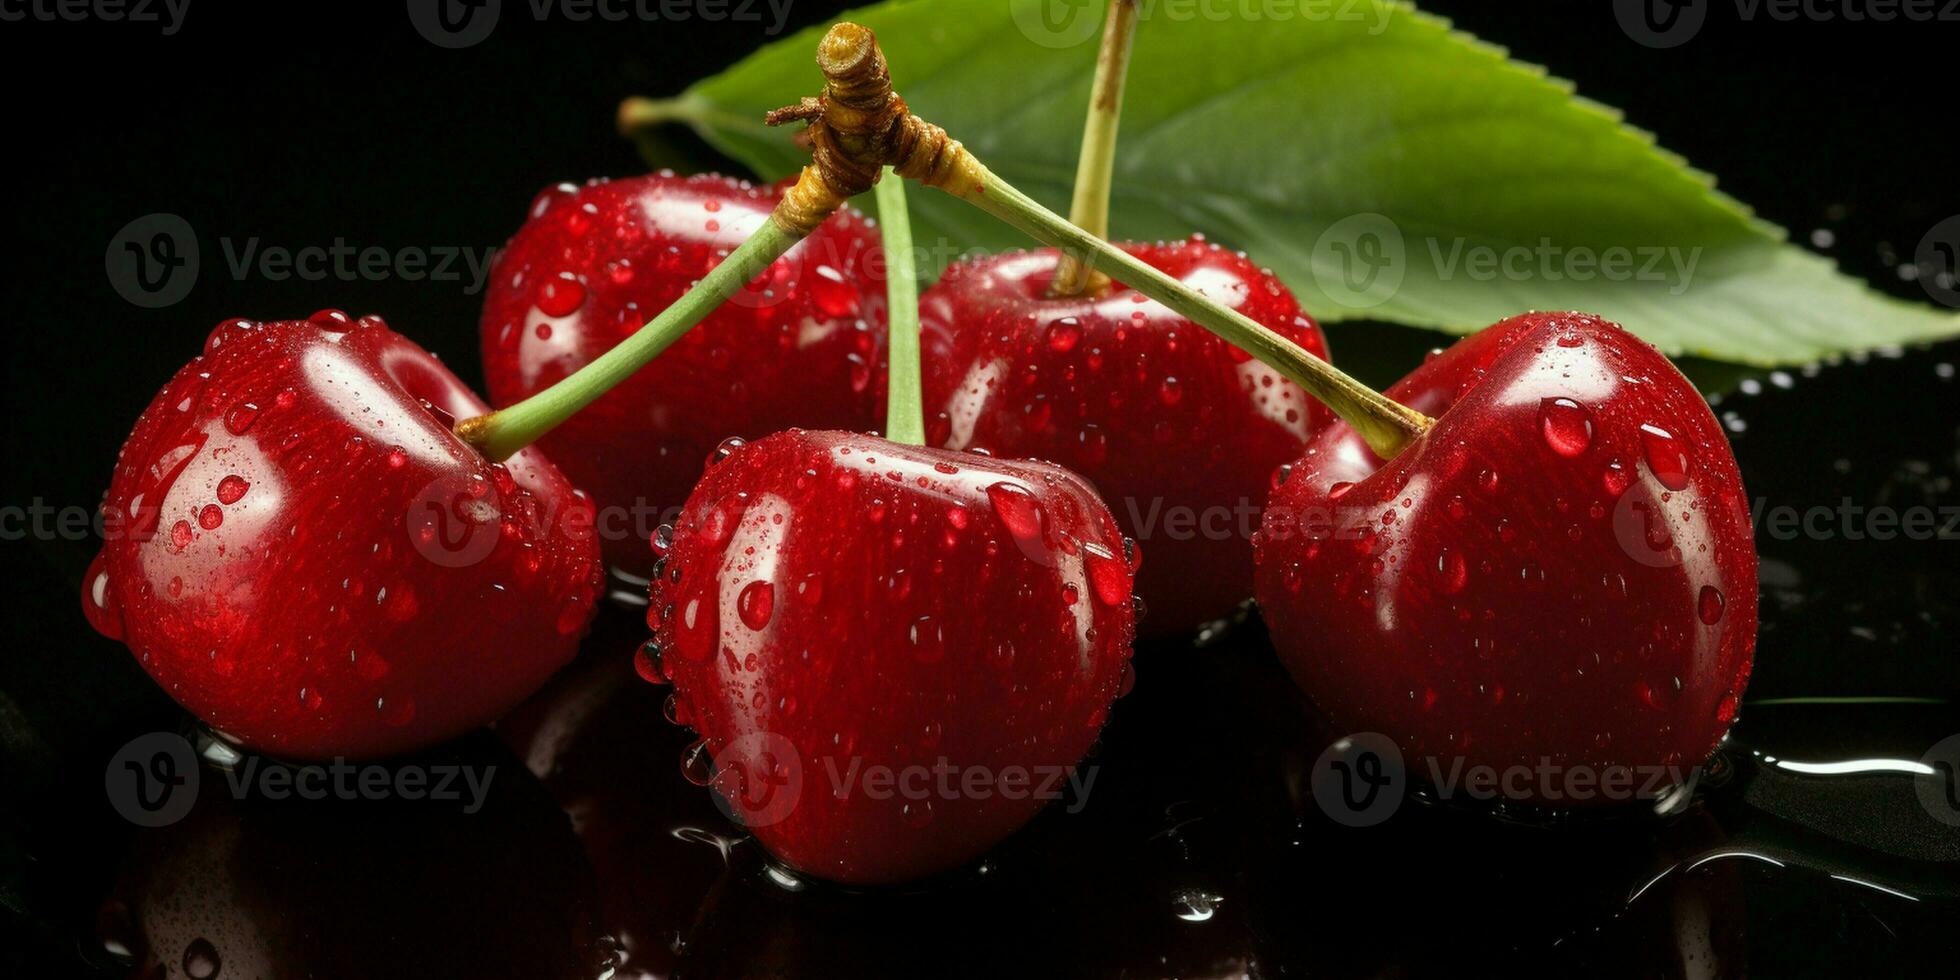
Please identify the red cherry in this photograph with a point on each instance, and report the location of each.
(1178, 429)
(595, 262)
(304, 555)
(924, 609)
(1561, 567)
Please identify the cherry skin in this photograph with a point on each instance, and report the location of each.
(305, 556)
(1179, 429)
(835, 607)
(594, 263)
(1562, 567)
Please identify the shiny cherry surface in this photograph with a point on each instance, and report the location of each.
(595, 262)
(1179, 430)
(835, 610)
(1561, 568)
(304, 555)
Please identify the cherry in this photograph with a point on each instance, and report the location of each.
(1561, 568)
(876, 640)
(301, 551)
(1179, 429)
(595, 262)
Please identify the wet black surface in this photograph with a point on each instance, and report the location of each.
(1199, 852)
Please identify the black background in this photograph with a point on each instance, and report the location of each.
(305, 123)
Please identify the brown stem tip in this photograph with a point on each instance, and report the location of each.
(859, 125)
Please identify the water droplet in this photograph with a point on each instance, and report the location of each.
(696, 765)
(1451, 570)
(1108, 575)
(1170, 391)
(721, 521)
(726, 449)
(396, 711)
(240, 418)
(756, 603)
(1616, 479)
(928, 640)
(98, 600)
(1019, 511)
(646, 663)
(1064, 334)
(1710, 604)
(560, 295)
(231, 488)
(700, 624)
(180, 535)
(572, 615)
(1665, 457)
(201, 960)
(1566, 425)
(833, 294)
(210, 517)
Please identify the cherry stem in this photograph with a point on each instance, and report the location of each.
(1089, 209)
(502, 433)
(859, 124)
(905, 418)
(1386, 425)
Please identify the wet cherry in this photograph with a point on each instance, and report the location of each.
(1561, 568)
(304, 555)
(1178, 429)
(879, 642)
(595, 262)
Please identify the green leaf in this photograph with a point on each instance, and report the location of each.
(1384, 165)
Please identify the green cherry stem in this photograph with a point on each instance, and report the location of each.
(1386, 425)
(859, 124)
(803, 207)
(905, 419)
(1095, 166)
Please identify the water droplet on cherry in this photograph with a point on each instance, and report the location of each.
(1665, 457)
(755, 604)
(1566, 425)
